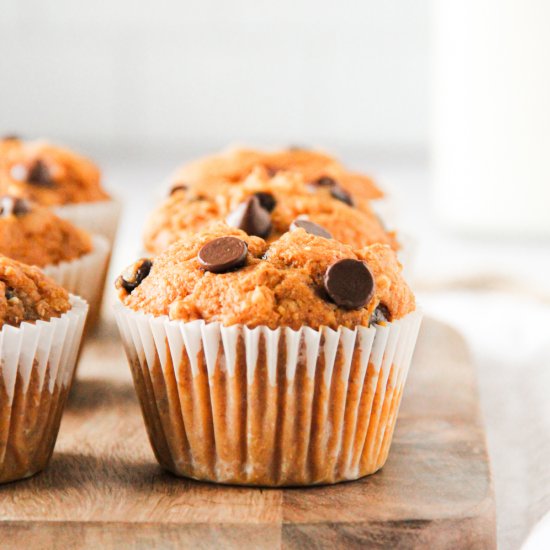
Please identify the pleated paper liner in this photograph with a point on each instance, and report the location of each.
(37, 363)
(99, 217)
(268, 407)
(85, 276)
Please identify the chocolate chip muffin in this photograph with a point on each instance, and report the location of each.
(56, 177)
(41, 328)
(48, 174)
(34, 235)
(268, 363)
(316, 167)
(264, 204)
(284, 283)
(27, 295)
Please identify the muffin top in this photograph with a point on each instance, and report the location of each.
(302, 279)
(234, 165)
(265, 204)
(47, 174)
(26, 294)
(34, 235)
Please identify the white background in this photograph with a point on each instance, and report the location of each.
(208, 72)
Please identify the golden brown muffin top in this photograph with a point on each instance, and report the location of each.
(234, 165)
(286, 196)
(48, 174)
(34, 235)
(26, 294)
(297, 280)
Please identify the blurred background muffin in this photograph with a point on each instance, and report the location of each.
(263, 201)
(59, 178)
(40, 331)
(34, 235)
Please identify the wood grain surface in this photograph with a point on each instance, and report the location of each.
(104, 488)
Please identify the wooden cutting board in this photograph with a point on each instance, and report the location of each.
(104, 489)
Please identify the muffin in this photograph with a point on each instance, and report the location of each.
(234, 165)
(34, 235)
(270, 364)
(41, 328)
(58, 178)
(264, 204)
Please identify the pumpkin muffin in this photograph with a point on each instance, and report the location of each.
(40, 331)
(234, 165)
(27, 295)
(268, 363)
(58, 178)
(34, 235)
(48, 174)
(274, 200)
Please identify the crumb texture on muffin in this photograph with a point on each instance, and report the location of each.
(48, 174)
(283, 195)
(34, 235)
(281, 283)
(26, 294)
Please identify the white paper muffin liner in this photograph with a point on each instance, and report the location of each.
(85, 276)
(37, 362)
(99, 217)
(268, 407)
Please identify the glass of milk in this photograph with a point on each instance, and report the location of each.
(491, 124)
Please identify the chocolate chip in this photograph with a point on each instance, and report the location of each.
(223, 254)
(133, 275)
(197, 198)
(311, 227)
(180, 187)
(342, 195)
(271, 171)
(297, 148)
(380, 315)
(251, 218)
(349, 283)
(39, 174)
(325, 181)
(13, 206)
(336, 191)
(11, 137)
(267, 200)
(10, 294)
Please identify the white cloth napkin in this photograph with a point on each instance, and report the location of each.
(509, 336)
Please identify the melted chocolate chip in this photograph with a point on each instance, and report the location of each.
(11, 137)
(296, 148)
(180, 187)
(13, 206)
(39, 174)
(133, 276)
(10, 294)
(380, 315)
(325, 181)
(336, 191)
(223, 254)
(271, 171)
(311, 227)
(267, 200)
(349, 283)
(251, 218)
(342, 195)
